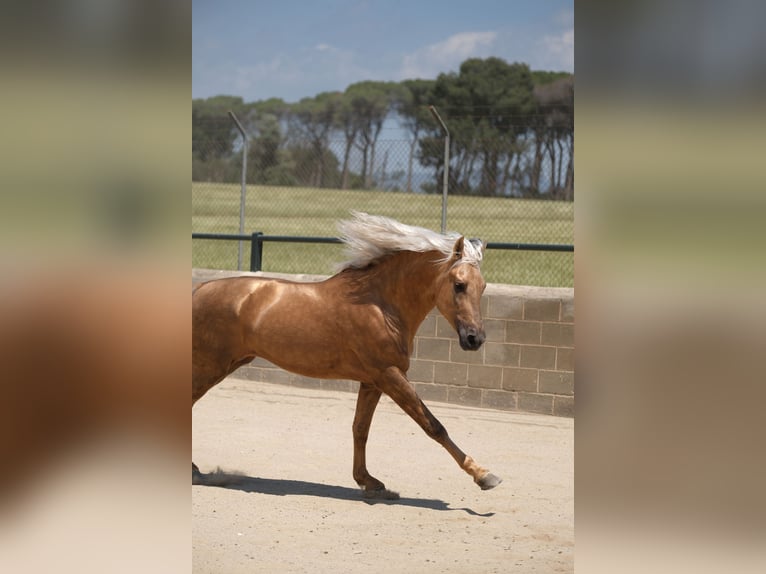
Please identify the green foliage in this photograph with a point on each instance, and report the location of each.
(412, 105)
(486, 106)
(540, 77)
(507, 123)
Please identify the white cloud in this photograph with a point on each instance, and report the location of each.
(447, 55)
(559, 50)
(464, 44)
(293, 76)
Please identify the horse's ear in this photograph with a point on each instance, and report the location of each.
(478, 244)
(457, 250)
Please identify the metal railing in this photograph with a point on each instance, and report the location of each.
(257, 239)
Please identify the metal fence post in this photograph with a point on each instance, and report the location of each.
(445, 183)
(244, 187)
(256, 251)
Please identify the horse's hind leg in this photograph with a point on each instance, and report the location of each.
(206, 374)
(203, 380)
(396, 385)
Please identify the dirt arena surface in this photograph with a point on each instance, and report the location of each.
(291, 505)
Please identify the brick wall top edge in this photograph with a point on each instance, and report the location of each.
(529, 292)
(493, 289)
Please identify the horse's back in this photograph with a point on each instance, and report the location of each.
(238, 303)
(222, 291)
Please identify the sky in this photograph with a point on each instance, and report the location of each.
(261, 49)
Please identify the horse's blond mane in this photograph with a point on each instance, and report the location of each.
(369, 237)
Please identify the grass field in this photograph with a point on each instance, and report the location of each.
(314, 212)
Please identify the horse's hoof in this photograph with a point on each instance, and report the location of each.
(488, 481)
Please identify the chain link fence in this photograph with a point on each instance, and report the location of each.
(303, 189)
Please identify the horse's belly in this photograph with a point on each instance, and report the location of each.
(301, 346)
(310, 360)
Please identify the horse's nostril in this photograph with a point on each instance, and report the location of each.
(471, 338)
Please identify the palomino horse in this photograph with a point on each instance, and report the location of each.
(359, 324)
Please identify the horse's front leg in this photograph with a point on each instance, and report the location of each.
(366, 402)
(396, 385)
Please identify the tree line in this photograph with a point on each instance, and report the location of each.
(511, 132)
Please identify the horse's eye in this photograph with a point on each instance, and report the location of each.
(459, 287)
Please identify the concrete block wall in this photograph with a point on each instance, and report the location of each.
(526, 363)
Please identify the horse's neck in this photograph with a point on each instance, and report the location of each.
(408, 281)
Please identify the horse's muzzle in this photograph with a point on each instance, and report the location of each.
(471, 338)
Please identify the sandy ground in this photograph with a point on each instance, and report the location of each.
(295, 507)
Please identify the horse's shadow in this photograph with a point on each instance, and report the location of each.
(283, 487)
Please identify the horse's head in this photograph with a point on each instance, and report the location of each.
(459, 297)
